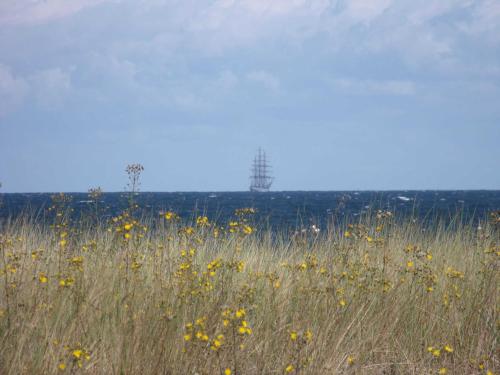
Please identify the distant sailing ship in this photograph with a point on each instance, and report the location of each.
(260, 180)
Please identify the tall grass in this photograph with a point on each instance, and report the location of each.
(130, 297)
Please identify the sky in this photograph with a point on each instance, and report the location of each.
(341, 94)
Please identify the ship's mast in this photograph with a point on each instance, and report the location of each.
(260, 179)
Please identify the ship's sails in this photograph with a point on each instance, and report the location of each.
(260, 179)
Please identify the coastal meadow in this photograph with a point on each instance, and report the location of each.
(166, 295)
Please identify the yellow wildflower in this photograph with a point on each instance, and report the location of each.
(293, 335)
(62, 366)
(202, 220)
(216, 344)
(227, 371)
(448, 348)
(308, 335)
(78, 260)
(442, 371)
(289, 368)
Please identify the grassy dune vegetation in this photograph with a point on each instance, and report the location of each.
(159, 296)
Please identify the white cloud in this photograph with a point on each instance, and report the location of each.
(155, 55)
(419, 14)
(371, 87)
(28, 12)
(47, 88)
(51, 88)
(227, 24)
(366, 10)
(264, 78)
(12, 91)
(416, 32)
(227, 80)
(485, 21)
(277, 7)
(216, 27)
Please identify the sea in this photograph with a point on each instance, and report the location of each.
(289, 210)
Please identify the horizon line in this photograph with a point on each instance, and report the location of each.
(248, 191)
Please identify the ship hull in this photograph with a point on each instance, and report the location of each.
(258, 189)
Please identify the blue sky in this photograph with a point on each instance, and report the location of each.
(353, 94)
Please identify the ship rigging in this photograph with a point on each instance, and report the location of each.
(260, 179)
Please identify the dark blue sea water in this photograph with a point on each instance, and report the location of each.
(292, 209)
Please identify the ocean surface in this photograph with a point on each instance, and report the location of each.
(284, 209)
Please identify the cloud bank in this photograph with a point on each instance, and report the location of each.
(204, 74)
